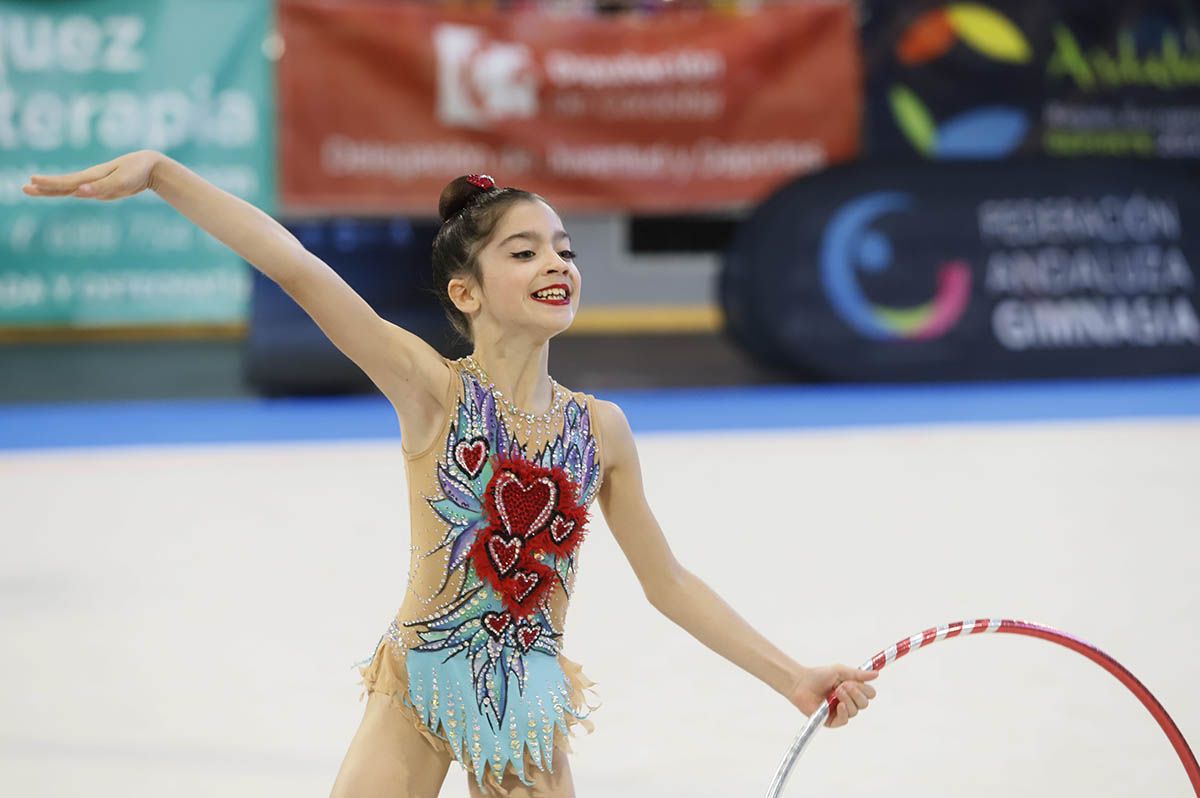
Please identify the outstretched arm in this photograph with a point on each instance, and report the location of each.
(688, 601)
(404, 367)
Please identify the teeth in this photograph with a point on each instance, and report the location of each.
(551, 293)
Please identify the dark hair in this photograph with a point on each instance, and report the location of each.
(470, 211)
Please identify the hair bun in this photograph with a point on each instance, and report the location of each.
(460, 191)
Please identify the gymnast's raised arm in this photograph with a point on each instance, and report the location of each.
(406, 369)
(688, 601)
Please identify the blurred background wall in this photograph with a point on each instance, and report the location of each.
(759, 191)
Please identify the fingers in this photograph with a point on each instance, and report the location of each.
(856, 687)
(109, 187)
(857, 693)
(846, 673)
(63, 185)
(850, 697)
(847, 698)
(844, 710)
(37, 190)
(841, 715)
(72, 180)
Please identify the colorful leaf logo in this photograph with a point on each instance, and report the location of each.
(927, 37)
(989, 32)
(988, 132)
(914, 119)
(983, 29)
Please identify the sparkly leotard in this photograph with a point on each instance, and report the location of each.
(499, 504)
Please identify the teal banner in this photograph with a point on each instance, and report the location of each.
(83, 81)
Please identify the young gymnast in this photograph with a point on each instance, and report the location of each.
(502, 465)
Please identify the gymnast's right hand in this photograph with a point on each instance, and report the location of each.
(121, 177)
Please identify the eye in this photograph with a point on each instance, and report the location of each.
(524, 254)
(567, 254)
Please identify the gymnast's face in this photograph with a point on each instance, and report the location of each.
(530, 280)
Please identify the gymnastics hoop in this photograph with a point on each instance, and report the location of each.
(961, 628)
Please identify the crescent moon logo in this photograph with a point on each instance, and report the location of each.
(850, 244)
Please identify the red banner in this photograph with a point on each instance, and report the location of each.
(381, 104)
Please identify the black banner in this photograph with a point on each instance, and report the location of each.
(982, 270)
(1071, 78)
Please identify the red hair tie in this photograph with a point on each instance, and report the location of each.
(482, 181)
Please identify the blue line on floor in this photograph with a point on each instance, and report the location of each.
(170, 422)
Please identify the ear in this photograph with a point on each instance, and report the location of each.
(465, 293)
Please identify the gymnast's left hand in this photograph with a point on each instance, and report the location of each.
(815, 684)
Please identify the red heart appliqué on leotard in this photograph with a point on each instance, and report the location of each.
(471, 455)
(561, 528)
(526, 582)
(524, 508)
(496, 623)
(527, 635)
(534, 526)
(504, 553)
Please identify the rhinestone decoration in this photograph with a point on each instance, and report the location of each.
(533, 423)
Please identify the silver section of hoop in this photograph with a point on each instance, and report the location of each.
(798, 746)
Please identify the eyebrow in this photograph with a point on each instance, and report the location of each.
(532, 236)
